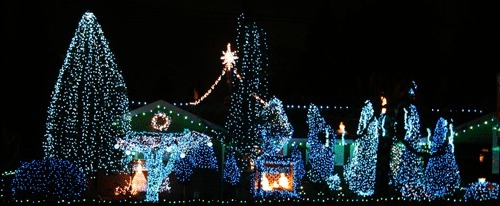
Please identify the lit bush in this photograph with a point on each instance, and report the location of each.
(49, 178)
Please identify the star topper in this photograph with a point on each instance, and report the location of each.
(228, 57)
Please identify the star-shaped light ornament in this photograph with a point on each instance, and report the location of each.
(228, 57)
(228, 62)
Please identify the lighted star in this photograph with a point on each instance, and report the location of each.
(228, 57)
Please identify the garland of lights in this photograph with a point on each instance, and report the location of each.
(154, 146)
(360, 171)
(89, 105)
(228, 58)
(161, 121)
(48, 178)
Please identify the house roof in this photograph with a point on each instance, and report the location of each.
(181, 119)
(477, 131)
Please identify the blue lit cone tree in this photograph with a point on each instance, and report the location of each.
(320, 143)
(89, 105)
(442, 175)
(360, 171)
(410, 170)
(231, 173)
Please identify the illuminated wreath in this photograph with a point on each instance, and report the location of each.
(161, 121)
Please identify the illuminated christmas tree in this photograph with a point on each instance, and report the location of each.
(89, 104)
(139, 182)
(253, 66)
(275, 129)
(442, 175)
(232, 172)
(300, 169)
(410, 171)
(321, 143)
(360, 172)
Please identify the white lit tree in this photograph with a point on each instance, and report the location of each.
(241, 121)
(442, 175)
(89, 104)
(321, 146)
(360, 171)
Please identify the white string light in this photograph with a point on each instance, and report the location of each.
(228, 58)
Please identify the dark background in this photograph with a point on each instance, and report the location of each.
(322, 52)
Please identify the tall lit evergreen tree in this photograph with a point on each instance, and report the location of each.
(89, 104)
(321, 146)
(360, 172)
(442, 175)
(253, 67)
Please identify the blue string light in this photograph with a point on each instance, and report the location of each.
(204, 157)
(360, 171)
(410, 171)
(252, 66)
(48, 178)
(321, 143)
(275, 129)
(184, 169)
(482, 190)
(155, 146)
(442, 175)
(232, 172)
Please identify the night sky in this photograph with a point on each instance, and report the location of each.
(322, 52)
